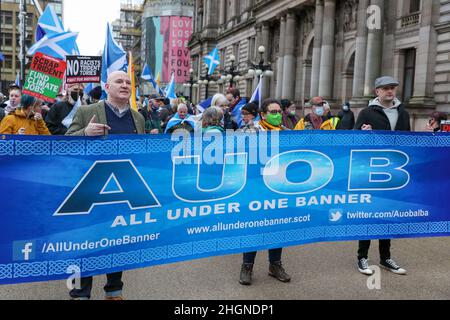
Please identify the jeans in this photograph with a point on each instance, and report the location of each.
(384, 247)
(274, 256)
(113, 288)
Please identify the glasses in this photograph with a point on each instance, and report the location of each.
(275, 111)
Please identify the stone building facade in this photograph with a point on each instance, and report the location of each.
(332, 48)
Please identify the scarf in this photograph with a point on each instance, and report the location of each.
(268, 127)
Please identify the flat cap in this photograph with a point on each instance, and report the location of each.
(385, 82)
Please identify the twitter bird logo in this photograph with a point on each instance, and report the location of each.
(336, 215)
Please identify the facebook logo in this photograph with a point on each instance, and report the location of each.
(24, 250)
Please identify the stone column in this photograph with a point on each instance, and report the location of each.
(318, 28)
(289, 71)
(327, 52)
(399, 69)
(280, 60)
(374, 50)
(360, 55)
(265, 35)
(426, 56)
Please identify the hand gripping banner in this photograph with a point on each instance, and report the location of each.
(119, 203)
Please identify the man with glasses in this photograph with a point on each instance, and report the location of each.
(387, 113)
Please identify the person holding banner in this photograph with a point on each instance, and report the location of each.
(386, 112)
(271, 120)
(434, 124)
(113, 116)
(61, 110)
(26, 119)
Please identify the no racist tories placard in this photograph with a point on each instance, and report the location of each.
(83, 69)
(45, 77)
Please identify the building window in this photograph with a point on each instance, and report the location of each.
(414, 6)
(7, 63)
(409, 74)
(7, 18)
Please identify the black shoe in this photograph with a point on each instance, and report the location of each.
(390, 265)
(277, 271)
(246, 274)
(363, 267)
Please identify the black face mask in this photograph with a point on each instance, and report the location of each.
(74, 95)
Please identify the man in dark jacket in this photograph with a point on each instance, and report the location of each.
(58, 112)
(347, 118)
(386, 112)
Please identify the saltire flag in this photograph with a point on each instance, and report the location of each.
(257, 96)
(88, 88)
(176, 120)
(212, 60)
(57, 45)
(133, 102)
(236, 113)
(50, 24)
(170, 90)
(114, 58)
(2, 57)
(148, 76)
(202, 106)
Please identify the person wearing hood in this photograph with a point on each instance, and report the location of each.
(347, 118)
(26, 119)
(386, 112)
(60, 112)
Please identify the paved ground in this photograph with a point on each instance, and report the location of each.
(319, 271)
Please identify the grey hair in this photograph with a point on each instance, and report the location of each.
(212, 117)
(182, 106)
(218, 100)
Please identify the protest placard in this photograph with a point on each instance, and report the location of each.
(45, 77)
(83, 69)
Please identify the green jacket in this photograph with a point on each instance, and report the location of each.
(84, 115)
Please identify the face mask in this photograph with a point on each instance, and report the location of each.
(293, 113)
(275, 119)
(320, 111)
(74, 95)
(345, 108)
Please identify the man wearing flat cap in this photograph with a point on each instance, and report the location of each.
(387, 113)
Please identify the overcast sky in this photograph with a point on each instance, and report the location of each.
(89, 18)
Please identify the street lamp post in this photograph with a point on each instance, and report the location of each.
(261, 69)
(190, 84)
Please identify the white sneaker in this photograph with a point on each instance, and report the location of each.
(363, 267)
(390, 265)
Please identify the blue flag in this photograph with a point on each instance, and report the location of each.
(147, 75)
(114, 58)
(256, 97)
(57, 45)
(236, 113)
(17, 82)
(170, 90)
(212, 61)
(48, 24)
(2, 57)
(176, 120)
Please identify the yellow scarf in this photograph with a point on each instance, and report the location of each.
(268, 127)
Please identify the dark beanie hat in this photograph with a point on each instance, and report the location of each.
(96, 93)
(251, 108)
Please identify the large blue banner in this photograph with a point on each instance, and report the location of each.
(118, 203)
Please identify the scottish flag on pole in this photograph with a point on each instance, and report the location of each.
(57, 45)
(212, 61)
(256, 97)
(114, 57)
(50, 24)
(170, 90)
(147, 75)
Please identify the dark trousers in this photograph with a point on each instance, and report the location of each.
(384, 245)
(274, 256)
(114, 283)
